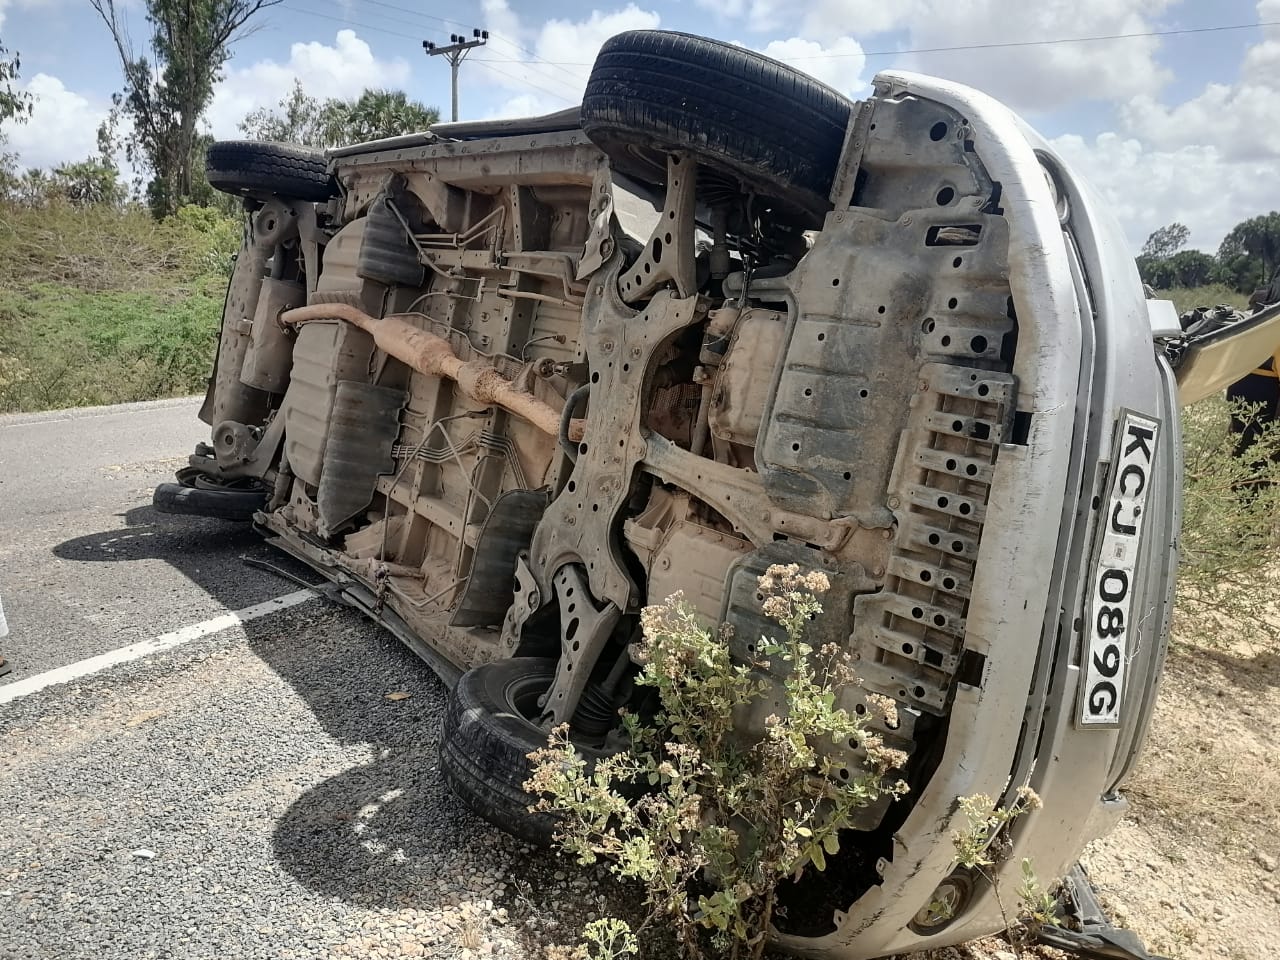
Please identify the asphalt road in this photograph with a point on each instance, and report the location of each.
(86, 565)
(250, 794)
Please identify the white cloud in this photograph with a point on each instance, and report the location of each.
(342, 70)
(1042, 77)
(823, 18)
(546, 69)
(1208, 162)
(64, 123)
(63, 126)
(1029, 78)
(1239, 117)
(1195, 184)
(839, 64)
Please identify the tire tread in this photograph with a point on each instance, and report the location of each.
(257, 167)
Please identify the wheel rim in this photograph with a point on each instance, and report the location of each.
(521, 695)
(236, 485)
(205, 481)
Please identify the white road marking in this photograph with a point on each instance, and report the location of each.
(166, 641)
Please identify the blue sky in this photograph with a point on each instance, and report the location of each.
(1172, 127)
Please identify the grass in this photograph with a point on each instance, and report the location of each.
(1188, 298)
(100, 305)
(1230, 536)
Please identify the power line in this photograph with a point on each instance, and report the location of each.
(416, 13)
(383, 18)
(1058, 40)
(343, 20)
(561, 67)
(523, 81)
(572, 84)
(993, 46)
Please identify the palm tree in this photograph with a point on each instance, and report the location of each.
(383, 113)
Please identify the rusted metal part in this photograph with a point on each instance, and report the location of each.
(668, 256)
(432, 355)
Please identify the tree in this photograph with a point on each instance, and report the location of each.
(1154, 262)
(1241, 272)
(1165, 242)
(167, 89)
(1258, 237)
(299, 118)
(14, 104)
(88, 182)
(1186, 268)
(385, 113)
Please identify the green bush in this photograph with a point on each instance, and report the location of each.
(103, 304)
(62, 347)
(1231, 507)
(727, 818)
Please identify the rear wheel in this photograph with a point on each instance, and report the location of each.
(773, 129)
(199, 495)
(262, 170)
(489, 732)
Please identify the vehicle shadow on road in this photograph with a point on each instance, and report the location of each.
(210, 553)
(360, 835)
(382, 832)
(387, 833)
(374, 824)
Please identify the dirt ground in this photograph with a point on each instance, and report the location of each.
(1193, 867)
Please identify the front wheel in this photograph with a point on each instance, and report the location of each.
(490, 729)
(768, 126)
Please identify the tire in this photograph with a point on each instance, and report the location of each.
(776, 129)
(487, 739)
(262, 170)
(199, 496)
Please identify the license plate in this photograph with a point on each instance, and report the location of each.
(1112, 584)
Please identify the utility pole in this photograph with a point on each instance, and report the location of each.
(457, 50)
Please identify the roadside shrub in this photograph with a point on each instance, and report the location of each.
(982, 843)
(102, 304)
(1231, 512)
(63, 348)
(726, 820)
(207, 240)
